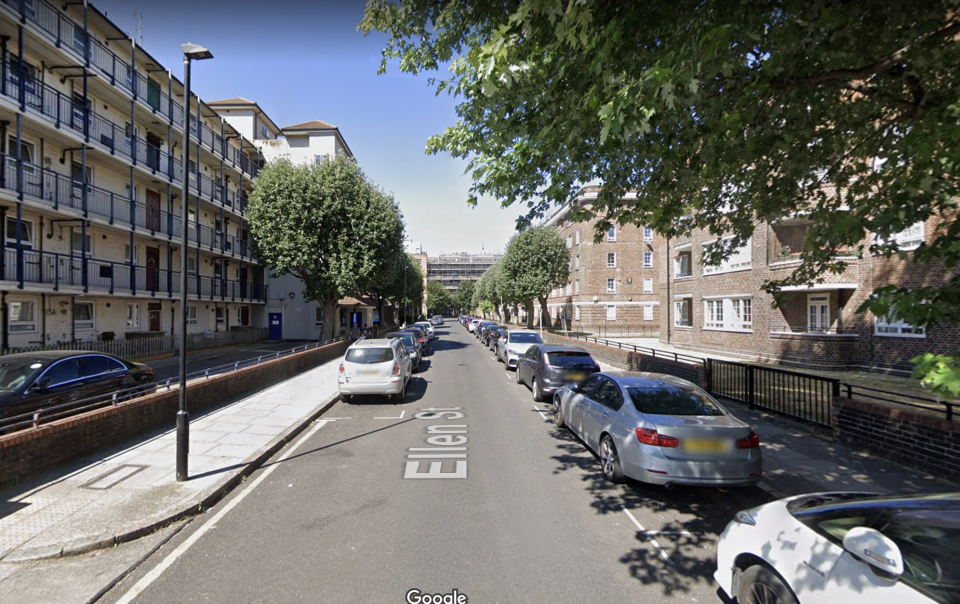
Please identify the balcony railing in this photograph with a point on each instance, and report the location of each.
(104, 276)
(67, 34)
(59, 191)
(805, 330)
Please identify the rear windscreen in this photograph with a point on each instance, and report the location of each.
(570, 360)
(369, 356)
(672, 400)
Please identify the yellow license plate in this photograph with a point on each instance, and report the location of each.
(575, 377)
(704, 445)
(367, 372)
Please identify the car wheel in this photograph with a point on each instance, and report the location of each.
(347, 398)
(402, 395)
(535, 390)
(610, 461)
(519, 381)
(558, 414)
(760, 585)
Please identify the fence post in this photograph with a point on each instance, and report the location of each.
(708, 370)
(750, 394)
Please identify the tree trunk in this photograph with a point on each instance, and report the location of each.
(545, 312)
(529, 305)
(330, 319)
(506, 313)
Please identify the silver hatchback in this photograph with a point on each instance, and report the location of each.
(659, 429)
(380, 366)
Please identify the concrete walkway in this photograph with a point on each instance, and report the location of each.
(123, 493)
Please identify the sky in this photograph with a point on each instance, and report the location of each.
(302, 61)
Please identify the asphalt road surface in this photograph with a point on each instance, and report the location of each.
(522, 513)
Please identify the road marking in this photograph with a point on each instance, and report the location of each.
(330, 419)
(154, 574)
(398, 417)
(674, 533)
(545, 418)
(652, 541)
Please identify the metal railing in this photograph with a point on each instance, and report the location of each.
(653, 352)
(46, 415)
(132, 348)
(935, 405)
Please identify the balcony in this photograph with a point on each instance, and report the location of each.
(69, 35)
(59, 191)
(90, 275)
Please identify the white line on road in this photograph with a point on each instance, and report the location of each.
(398, 417)
(154, 574)
(652, 541)
(673, 533)
(545, 418)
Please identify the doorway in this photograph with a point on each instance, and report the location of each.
(276, 326)
(153, 310)
(153, 210)
(153, 269)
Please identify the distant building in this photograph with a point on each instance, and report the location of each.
(454, 268)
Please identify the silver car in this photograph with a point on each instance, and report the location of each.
(513, 344)
(381, 366)
(429, 328)
(659, 429)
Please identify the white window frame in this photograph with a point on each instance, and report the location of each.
(577, 237)
(77, 236)
(569, 288)
(611, 260)
(20, 325)
(576, 262)
(818, 302)
(678, 264)
(889, 326)
(28, 231)
(611, 286)
(318, 316)
(648, 234)
(569, 241)
(648, 312)
(612, 233)
(127, 256)
(741, 313)
(576, 287)
(220, 315)
(191, 264)
(910, 238)
(678, 306)
(85, 324)
(192, 314)
(648, 285)
(28, 153)
(740, 260)
(611, 312)
(713, 314)
(133, 315)
(648, 260)
(576, 313)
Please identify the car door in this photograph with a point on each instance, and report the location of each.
(596, 408)
(578, 401)
(103, 375)
(61, 383)
(526, 364)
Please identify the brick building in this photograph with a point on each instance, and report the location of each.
(613, 287)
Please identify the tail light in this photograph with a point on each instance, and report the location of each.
(749, 442)
(649, 436)
(341, 368)
(396, 369)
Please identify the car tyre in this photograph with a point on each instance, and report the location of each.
(347, 398)
(558, 414)
(760, 585)
(519, 381)
(610, 460)
(535, 390)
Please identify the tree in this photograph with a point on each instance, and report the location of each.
(310, 221)
(731, 113)
(535, 262)
(409, 287)
(379, 226)
(438, 298)
(463, 298)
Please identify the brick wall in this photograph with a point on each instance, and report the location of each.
(633, 361)
(31, 451)
(911, 437)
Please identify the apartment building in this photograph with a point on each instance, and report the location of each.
(454, 268)
(90, 191)
(724, 309)
(613, 286)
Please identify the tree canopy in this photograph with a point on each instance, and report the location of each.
(438, 298)
(463, 298)
(732, 113)
(535, 262)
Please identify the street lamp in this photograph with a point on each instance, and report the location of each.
(190, 52)
(404, 294)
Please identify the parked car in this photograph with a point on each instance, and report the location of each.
(483, 328)
(422, 339)
(659, 429)
(472, 325)
(494, 335)
(514, 344)
(429, 328)
(377, 366)
(549, 367)
(844, 547)
(409, 340)
(31, 380)
(436, 320)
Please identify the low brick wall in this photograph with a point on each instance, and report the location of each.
(634, 361)
(914, 438)
(32, 451)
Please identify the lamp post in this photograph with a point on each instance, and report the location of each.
(404, 294)
(199, 53)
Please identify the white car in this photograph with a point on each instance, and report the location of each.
(513, 344)
(429, 328)
(844, 548)
(381, 366)
(436, 320)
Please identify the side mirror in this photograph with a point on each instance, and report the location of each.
(41, 384)
(876, 549)
(574, 387)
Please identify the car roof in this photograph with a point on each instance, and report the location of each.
(372, 343)
(936, 501)
(524, 331)
(561, 348)
(645, 379)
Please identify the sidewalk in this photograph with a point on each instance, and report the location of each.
(126, 492)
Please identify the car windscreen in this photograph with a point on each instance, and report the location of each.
(14, 374)
(569, 359)
(525, 338)
(406, 338)
(669, 399)
(369, 356)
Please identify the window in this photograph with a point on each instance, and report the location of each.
(98, 365)
(648, 285)
(26, 233)
(22, 316)
(576, 313)
(611, 312)
(191, 216)
(648, 260)
(62, 372)
(713, 314)
(80, 40)
(612, 234)
(27, 154)
(648, 312)
(576, 262)
(191, 315)
(818, 312)
(611, 259)
(128, 257)
(569, 241)
(569, 288)
(681, 317)
(318, 316)
(682, 265)
(29, 73)
(890, 325)
(221, 315)
(648, 233)
(576, 287)
(742, 315)
(191, 265)
(79, 244)
(910, 238)
(263, 131)
(153, 95)
(577, 237)
(737, 261)
(83, 315)
(133, 315)
(569, 265)
(611, 286)
(319, 159)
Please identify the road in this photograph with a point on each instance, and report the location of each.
(340, 516)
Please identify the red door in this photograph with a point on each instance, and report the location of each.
(154, 310)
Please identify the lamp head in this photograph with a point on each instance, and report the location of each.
(195, 51)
